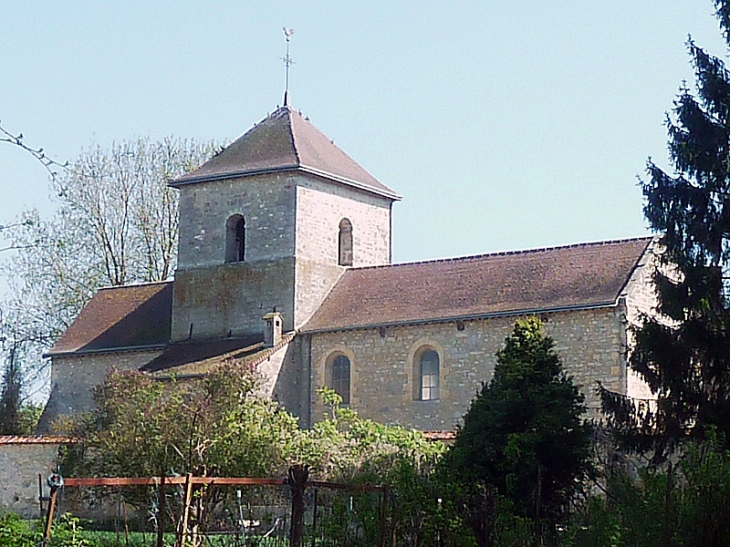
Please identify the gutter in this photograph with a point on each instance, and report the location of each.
(149, 347)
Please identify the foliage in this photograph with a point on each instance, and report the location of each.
(10, 397)
(344, 446)
(30, 413)
(15, 532)
(684, 354)
(116, 223)
(219, 426)
(214, 426)
(347, 448)
(66, 532)
(523, 449)
(682, 505)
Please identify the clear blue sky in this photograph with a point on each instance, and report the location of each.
(504, 124)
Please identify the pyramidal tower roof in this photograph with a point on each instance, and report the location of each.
(286, 141)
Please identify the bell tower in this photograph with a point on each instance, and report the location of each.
(268, 225)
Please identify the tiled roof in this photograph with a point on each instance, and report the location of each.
(132, 316)
(443, 436)
(198, 358)
(286, 141)
(575, 276)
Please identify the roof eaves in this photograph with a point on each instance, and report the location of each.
(284, 168)
(231, 174)
(344, 180)
(70, 353)
(465, 317)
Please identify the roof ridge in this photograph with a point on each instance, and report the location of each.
(291, 134)
(286, 338)
(507, 253)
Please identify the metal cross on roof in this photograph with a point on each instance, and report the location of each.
(287, 63)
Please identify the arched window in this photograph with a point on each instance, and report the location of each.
(344, 243)
(235, 238)
(340, 377)
(428, 375)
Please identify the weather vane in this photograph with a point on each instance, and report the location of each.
(287, 63)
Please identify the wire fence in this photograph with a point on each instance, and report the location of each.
(220, 511)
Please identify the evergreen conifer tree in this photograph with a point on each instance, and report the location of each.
(684, 352)
(523, 438)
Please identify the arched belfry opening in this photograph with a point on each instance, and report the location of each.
(344, 243)
(235, 238)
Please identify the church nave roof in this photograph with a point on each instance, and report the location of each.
(579, 276)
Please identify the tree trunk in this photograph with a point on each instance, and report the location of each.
(298, 476)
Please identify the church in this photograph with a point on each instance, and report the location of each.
(284, 262)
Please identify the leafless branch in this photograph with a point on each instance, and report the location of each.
(15, 247)
(49, 163)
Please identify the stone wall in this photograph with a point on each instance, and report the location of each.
(22, 459)
(267, 203)
(321, 205)
(291, 246)
(74, 376)
(383, 361)
(641, 299)
(231, 297)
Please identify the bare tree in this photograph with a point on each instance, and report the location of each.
(116, 223)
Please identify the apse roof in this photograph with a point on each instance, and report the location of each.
(285, 141)
(540, 280)
(195, 358)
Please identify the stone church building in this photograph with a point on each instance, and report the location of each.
(285, 262)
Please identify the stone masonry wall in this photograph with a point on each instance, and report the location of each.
(590, 342)
(641, 300)
(231, 297)
(291, 239)
(320, 208)
(74, 377)
(21, 460)
(322, 205)
(267, 203)
(212, 298)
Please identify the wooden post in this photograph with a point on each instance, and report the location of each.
(161, 512)
(186, 509)
(314, 517)
(49, 515)
(384, 517)
(40, 494)
(298, 476)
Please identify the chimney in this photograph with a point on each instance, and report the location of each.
(272, 333)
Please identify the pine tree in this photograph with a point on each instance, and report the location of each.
(523, 438)
(684, 353)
